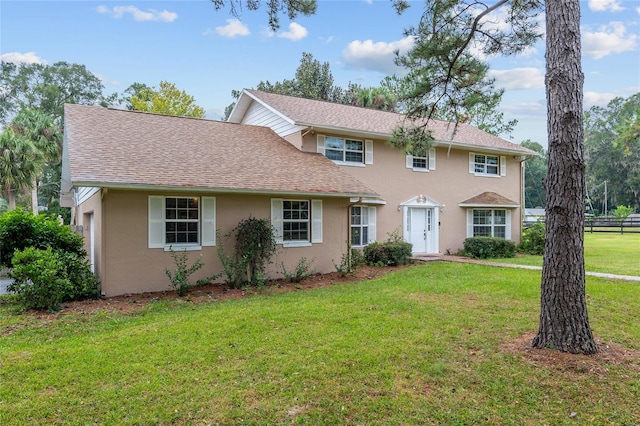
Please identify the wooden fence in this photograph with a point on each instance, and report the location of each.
(630, 225)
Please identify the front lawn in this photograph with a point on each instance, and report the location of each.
(440, 343)
(603, 252)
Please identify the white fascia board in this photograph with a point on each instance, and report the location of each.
(269, 107)
(482, 148)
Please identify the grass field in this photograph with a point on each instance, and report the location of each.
(603, 252)
(440, 343)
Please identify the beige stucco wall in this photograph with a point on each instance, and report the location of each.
(92, 206)
(129, 266)
(449, 185)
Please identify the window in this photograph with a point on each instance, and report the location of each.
(421, 163)
(487, 165)
(363, 225)
(298, 223)
(187, 222)
(295, 220)
(345, 150)
(490, 223)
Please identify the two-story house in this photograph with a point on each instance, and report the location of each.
(470, 183)
(141, 185)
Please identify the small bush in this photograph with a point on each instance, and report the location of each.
(489, 247)
(389, 253)
(179, 277)
(303, 270)
(533, 239)
(43, 279)
(20, 229)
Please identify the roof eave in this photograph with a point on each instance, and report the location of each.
(507, 206)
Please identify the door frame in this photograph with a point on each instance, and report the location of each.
(422, 202)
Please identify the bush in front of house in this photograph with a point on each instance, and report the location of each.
(388, 253)
(44, 278)
(20, 229)
(533, 239)
(489, 247)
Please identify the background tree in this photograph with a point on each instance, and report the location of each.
(443, 75)
(47, 88)
(19, 162)
(46, 137)
(535, 170)
(167, 100)
(612, 153)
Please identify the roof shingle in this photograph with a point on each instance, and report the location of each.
(110, 147)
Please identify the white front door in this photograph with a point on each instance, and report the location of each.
(419, 227)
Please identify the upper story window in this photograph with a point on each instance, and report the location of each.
(487, 165)
(181, 222)
(422, 162)
(346, 151)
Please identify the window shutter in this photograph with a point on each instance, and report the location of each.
(472, 161)
(372, 225)
(469, 223)
(368, 151)
(316, 221)
(503, 166)
(409, 161)
(156, 221)
(276, 218)
(432, 158)
(320, 144)
(507, 230)
(208, 221)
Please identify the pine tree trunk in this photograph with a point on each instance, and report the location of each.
(564, 324)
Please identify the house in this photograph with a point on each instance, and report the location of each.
(470, 183)
(141, 185)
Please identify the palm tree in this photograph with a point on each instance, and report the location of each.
(45, 135)
(19, 162)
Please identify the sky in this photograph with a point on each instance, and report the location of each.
(209, 53)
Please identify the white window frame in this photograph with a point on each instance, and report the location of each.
(314, 221)
(368, 213)
(367, 150)
(429, 161)
(471, 225)
(480, 168)
(157, 222)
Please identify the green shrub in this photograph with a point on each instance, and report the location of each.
(533, 239)
(389, 253)
(179, 276)
(489, 247)
(20, 229)
(45, 278)
(303, 270)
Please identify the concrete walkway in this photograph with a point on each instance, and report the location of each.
(463, 259)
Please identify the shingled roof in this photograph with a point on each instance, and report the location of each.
(377, 123)
(115, 148)
(489, 199)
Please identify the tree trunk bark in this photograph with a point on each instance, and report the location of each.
(564, 324)
(34, 196)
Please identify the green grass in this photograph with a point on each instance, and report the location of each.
(603, 252)
(419, 346)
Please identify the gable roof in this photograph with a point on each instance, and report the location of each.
(116, 148)
(375, 123)
(489, 199)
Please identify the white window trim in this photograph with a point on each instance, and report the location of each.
(367, 151)
(371, 225)
(157, 220)
(507, 225)
(315, 222)
(430, 161)
(502, 165)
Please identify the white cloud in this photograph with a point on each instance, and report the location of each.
(518, 78)
(593, 98)
(604, 5)
(118, 12)
(609, 40)
(296, 32)
(233, 29)
(376, 56)
(22, 58)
